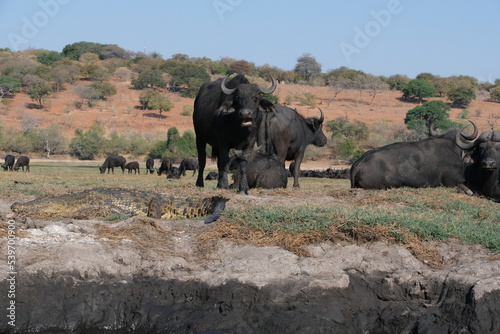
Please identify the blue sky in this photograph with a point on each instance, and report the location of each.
(381, 37)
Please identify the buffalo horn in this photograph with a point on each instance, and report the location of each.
(227, 91)
(433, 132)
(270, 89)
(322, 117)
(474, 133)
(460, 143)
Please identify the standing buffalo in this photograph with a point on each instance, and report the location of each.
(133, 166)
(165, 166)
(227, 116)
(150, 165)
(9, 162)
(289, 134)
(483, 174)
(111, 162)
(22, 161)
(431, 162)
(188, 164)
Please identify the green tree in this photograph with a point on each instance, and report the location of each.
(184, 74)
(342, 128)
(419, 118)
(75, 50)
(38, 91)
(179, 147)
(116, 144)
(307, 66)
(149, 79)
(95, 72)
(397, 81)
(152, 99)
(8, 86)
(461, 96)
(418, 89)
(85, 145)
(104, 89)
(49, 57)
(495, 93)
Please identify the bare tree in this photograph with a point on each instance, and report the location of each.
(338, 84)
(374, 85)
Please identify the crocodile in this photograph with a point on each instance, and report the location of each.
(105, 201)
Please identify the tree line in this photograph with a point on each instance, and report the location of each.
(40, 73)
(93, 143)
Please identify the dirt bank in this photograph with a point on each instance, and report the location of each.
(146, 275)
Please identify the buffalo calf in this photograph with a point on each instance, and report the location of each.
(133, 166)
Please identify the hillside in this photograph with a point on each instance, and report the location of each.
(122, 113)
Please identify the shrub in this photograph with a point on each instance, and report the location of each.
(85, 145)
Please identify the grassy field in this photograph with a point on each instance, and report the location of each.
(323, 209)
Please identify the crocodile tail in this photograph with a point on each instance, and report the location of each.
(219, 204)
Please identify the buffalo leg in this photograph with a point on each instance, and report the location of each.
(296, 172)
(202, 160)
(243, 187)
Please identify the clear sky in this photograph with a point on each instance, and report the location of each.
(380, 37)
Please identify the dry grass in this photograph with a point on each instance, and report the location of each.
(297, 242)
(142, 231)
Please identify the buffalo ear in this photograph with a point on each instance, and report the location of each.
(266, 105)
(226, 107)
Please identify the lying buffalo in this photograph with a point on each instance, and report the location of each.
(483, 174)
(431, 162)
(264, 170)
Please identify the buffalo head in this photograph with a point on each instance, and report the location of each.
(316, 125)
(246, 100)
(486, 148)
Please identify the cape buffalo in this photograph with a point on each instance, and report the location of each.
(165, 166)
(265, 170)
(133, 166)
(188, 164)
(483, 174)
(22, 161)
(111, 162)
(9, 162)
(227, 115)
(431, 162)
(289, 134)
(150, 165)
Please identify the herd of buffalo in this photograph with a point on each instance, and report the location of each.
(253, 137)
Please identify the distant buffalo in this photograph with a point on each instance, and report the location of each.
(111, 162)
(188, 164)
(165, 166)
(133, 166)
(22, 161)
(150, 165)
(9, 162)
